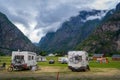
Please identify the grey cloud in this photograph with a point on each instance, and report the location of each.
(47, 15)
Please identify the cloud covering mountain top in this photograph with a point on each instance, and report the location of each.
(35, 18)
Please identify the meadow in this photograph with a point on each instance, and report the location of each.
(92, 63)
(103, 71)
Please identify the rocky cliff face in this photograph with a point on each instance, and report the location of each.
(71, 32)
(11, 38)
(106, 38)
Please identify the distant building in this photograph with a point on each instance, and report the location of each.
(41, 58)
(116, 57)
(95, 56)
(51, 54)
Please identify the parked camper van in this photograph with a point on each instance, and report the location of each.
(63, 60)
(78, 61)
(41, 59)
(23, 60)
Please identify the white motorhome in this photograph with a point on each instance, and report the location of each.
(63, 60)
(23, 60)
(78, 60)
(41, 59)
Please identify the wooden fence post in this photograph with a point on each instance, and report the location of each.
(58, 76)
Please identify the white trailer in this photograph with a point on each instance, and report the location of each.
(23, 60)
(63, 60)
(41, 59)
(78, 61)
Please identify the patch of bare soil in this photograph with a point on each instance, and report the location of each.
(53, 69)
(50, 73)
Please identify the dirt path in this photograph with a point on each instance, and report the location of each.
(50, 73)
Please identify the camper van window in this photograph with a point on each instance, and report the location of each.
(87, 58)
(32, 57)
(78, 58)
(29, 57)
(19, 58)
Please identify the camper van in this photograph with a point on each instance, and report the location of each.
(23, 60)
(63, 60)
(78, 61)
(41, 59)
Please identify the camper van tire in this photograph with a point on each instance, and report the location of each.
(73, 70)
(88, 68)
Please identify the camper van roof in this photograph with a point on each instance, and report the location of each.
(79, 52)
(25, 52)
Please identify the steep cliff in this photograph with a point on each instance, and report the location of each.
(72, 32)
(11, 38)
(106, 38)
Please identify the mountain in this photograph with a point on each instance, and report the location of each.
(106, 38)
(72, 32)
(11, 38)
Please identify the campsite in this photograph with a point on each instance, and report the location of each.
(46, 71)
(59, 39)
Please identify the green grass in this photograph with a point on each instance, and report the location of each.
(47, 62)
(56, 64)
(111, 64)
(6, 59)
(93, 64)
(52, 76)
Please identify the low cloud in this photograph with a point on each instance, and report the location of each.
(35, 18)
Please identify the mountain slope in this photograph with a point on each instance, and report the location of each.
(11, 38)
(71, 32)
(106, 38)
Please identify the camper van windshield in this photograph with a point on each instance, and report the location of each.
(19, 58)
(76, 59)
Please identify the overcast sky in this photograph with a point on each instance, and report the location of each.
(37, 17)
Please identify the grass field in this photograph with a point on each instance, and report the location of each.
(93, 64)
(110, 71)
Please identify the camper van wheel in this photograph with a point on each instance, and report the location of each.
(85, 69)
(74, 70)
(88, 68)
(10, 69)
